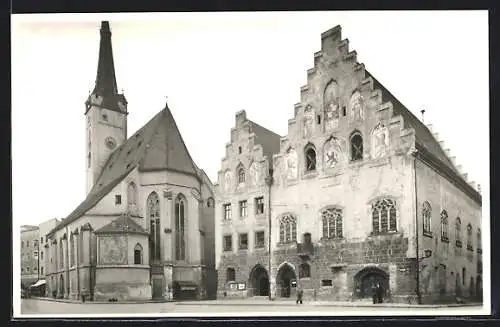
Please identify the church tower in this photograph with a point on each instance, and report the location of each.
(105, 111)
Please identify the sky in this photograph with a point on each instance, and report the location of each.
(211, 65)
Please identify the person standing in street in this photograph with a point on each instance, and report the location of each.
(299, 296)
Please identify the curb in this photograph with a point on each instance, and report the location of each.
(97, 302)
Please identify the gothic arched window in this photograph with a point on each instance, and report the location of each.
(444, 226)
(304, 270)
(469, 237)
(230, 275)
(131, 194)
(80, 246)
(288, 229)
(180, 221)
(241, 174)
(356, 146)
(384, 216)
(138, 254)
(72, 250)
(61, 253)
(310, 154)
(426, 216)
(332, 223)
(458, 232)
(153, 214)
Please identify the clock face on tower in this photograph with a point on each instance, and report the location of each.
(110, 142)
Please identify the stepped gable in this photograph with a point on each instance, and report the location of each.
(156, 146)
(269, 140)
(123, 224)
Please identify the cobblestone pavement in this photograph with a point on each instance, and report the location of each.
(42, 307)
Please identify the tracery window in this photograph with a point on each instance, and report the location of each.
(288, 229)
(332, 223)
(310, 154)
(444, 226)
(241, 175)
(384, 216)
(153, 205)
(180, 220)
(356, 146)
(426, 215)
(458, 232)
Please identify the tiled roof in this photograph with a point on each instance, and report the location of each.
(269, 140)
(156, 146)
(123, 224)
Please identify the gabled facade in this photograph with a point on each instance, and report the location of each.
(359, 192)
(145, 230)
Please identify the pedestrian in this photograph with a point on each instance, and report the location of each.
(374, 293)
(299, 296)
(380, 293)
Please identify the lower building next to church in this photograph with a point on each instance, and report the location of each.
(360, 192)
(146, 228)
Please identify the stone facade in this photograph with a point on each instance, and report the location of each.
(30, 251)
(347, 188)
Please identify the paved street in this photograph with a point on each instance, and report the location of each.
(35, 306)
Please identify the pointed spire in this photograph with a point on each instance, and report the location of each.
(105, 83)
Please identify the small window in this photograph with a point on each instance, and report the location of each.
(35, 269)
(243, 208)
(41, 255)
(227, 211)
(326, 282)
(138, 255)
(463, 276)
(356, 146)
(230, 275)
(22, 244)
(307, 238)
(22, 270)
(104, 117)
(241, 175)
(41, 270)
(239, 150)
(260, 240)
(343, 111)
(41, 239)
(118, 199)
(27, 269)
(310, 159)
(259, 205)
(35, 254)
(243, 241)
(228, 243)
(318, 119)
(35, 243)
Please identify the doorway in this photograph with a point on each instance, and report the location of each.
(158, 287)
(259, 282)
(365, 280)
(285, 279)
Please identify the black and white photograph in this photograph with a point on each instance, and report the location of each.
(312, 163)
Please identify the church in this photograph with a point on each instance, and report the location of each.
(145, 230)
(358, 193)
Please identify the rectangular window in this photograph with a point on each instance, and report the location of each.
(22, 270)
(243, 209)
(27, 269)
(118, 199)
(326, 282)
(35, 269)
(228, 243)
(243, 241)
(35, 243)
(41, 255)
(259, 205)
(27, 244)
(260, 240)
(463, 276)
(35, 254)
(227, 211)
(41, 270)
(41, 239)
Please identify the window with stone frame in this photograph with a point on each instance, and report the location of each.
(260, 240)
(356, 146)
(227, 211)
(138, 254)
(426, 217)
(259, 205)
(228, 243)
(288, 229)
(180, 222)
(153, 214)
(469, 237)
(230, 275)
(241, 174)
(72, 250)
(479, 247)
(310, 155)
(243, 241)
(458, 232)
(332, 222)
(243, 208)
(444, 226)
(304, 270)
(384, 216)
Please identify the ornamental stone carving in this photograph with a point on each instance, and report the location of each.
(333, 152)
(380, 141)
(356, 107)
(291, 164)
(308, 124)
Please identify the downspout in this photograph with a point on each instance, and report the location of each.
(269, 182)
(417, 257)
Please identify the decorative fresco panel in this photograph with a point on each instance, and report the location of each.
(113, 250)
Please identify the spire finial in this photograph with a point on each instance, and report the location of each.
(422, 112)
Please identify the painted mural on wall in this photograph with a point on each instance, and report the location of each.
(227, 181)
(380, 141)
(308, 121)
(113, 250)
(333, 152)
(255, 173)
(291, 164)
(330, 102)
(356, 110)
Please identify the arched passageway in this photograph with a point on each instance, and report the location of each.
(285, 280)
(365, 280)
(258, 281)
